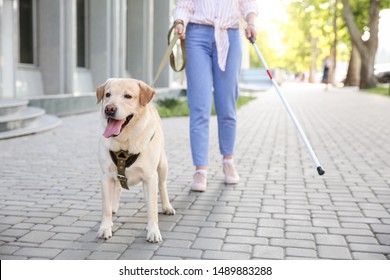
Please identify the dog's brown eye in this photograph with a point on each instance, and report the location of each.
(108, 94)
(128, 96)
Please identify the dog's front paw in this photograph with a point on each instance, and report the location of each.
(154, 236)
(105, 232)
(169, 210)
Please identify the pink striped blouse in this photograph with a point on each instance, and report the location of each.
(222, 14)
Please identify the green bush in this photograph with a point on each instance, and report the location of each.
(169, 103)
(383, 90)
(178, 107)
(172, 107)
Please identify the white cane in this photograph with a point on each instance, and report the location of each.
(320, 170)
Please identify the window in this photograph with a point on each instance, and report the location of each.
(82, 33)
(27, 31)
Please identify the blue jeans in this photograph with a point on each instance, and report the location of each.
(204, 75)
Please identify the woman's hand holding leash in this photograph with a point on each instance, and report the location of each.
(179, 29)
(169, 51)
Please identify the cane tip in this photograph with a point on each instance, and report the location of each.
(320, 170)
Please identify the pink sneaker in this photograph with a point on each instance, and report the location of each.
(231, 175)
(199, 183)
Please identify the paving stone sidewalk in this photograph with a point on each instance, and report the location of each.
(50, 203)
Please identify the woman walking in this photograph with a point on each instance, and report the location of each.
(213, 47)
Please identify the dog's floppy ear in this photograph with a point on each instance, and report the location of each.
(146, 93)
(100, 92)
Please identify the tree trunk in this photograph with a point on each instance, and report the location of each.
(367, 77)
(368, 48)
(354, 66)
(332, 72)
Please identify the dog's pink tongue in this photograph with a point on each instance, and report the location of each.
(113, 128)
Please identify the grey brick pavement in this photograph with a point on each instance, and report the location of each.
(50, 191)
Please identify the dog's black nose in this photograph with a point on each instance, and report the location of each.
(110, 110)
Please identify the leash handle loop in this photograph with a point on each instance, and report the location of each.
(182, 46)
(169, 53)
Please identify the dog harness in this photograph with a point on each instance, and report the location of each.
(123, 159)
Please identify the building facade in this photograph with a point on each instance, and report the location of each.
(53, 47)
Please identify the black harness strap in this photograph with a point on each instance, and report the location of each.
(130, 159)
(122, 159)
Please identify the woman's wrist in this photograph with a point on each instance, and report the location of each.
(250, 19)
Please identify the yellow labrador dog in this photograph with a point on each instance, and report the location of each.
(131, 151)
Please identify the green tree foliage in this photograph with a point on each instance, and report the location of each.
(311, 22)
(308, 36)
(267, 47)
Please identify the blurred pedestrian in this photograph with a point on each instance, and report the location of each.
(326, 66)
(213, 46)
